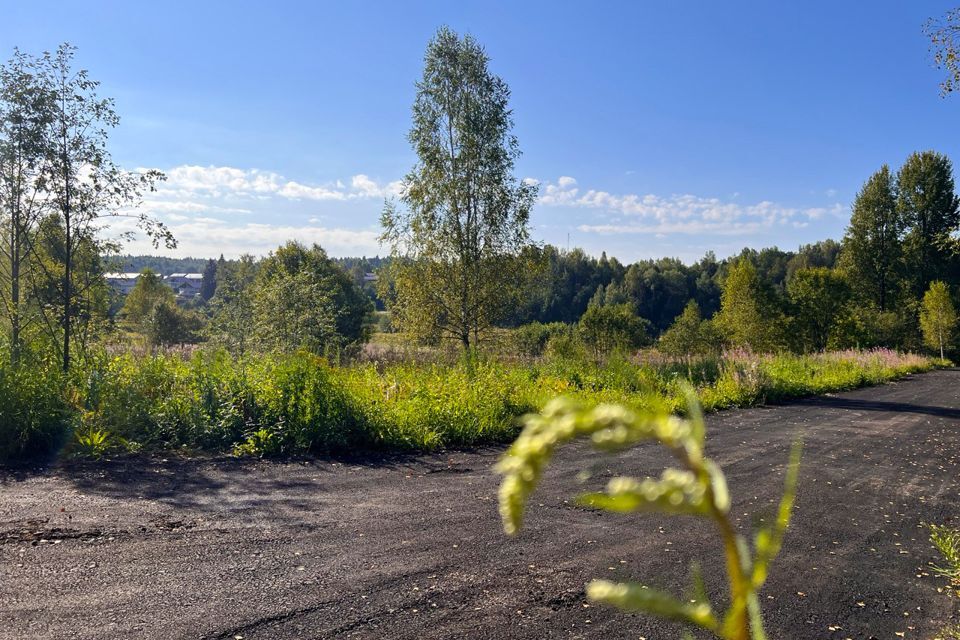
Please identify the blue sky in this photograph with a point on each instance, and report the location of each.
(654, 128)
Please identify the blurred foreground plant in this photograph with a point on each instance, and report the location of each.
(697, 488)
(947, 542)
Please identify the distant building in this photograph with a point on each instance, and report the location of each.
(186, 285)
(369, 277)
(122, 283)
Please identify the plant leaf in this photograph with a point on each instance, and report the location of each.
(630, 596)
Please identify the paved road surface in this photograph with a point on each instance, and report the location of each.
(412, 547)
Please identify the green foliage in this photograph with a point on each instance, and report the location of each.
(149, 291)
(697, 488)
(690, 335)
(656, 290)
(208, 286)
(259, 443)
(819, 297)
(532, 339)
(465, 217)
(35, 415)
(267, 404)
(872, 245)
(943, 34)
(92, 443)
(611, 328)
(931, 214)
(947, 542)
(748, 317)
(82, 186)
(232, 305)
(301, 299)
(168, 324)
(938, 317)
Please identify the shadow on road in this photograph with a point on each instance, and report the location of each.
(854, 404)
(282, 490)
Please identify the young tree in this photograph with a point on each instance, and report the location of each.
(302, 299)
(25, 114)
(930, 211)
(232, 304)
(819, 296)
(149, 291)
(465, 217)
(689, 335)
(168, 324)
(938, 318)
(90, 304)
(613, 327)
(82, 182)
(872, 250)
(747, 316)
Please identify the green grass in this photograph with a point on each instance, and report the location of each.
(947, 542)
(282, 404)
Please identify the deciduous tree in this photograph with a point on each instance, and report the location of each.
(930, 211)
(303, 300)
(25, 115)
(748, 318)
(463, 218)
(944, 34)
(938, 317)
(613, 327)
(689, 335)
(819, 297)
(872, 246)
(232, 319)
(149, 291)
(82, 181)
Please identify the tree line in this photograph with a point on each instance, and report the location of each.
(462, 264)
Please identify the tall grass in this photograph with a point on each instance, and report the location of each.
(208, 400)
(36, 416)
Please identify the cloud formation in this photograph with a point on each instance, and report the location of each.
(685, 213)
(210, 237)
(212, 181)
(216, 209)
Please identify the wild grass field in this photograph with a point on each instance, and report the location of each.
(210, 401)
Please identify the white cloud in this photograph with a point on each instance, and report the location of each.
(200, 206)
(192, 182)
(683, 213)
(211, 237)
(215, 209)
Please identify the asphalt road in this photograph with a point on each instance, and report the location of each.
(412, 547)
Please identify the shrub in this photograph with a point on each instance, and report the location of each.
(303, 300)
(302, 401)
(168, 324)
(615, 327)
(532, 339)
(35, 416)
(690, 335)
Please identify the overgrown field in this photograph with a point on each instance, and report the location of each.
(281, 404)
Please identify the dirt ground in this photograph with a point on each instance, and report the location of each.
(411, 547)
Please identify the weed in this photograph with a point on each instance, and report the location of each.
(698, 488)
